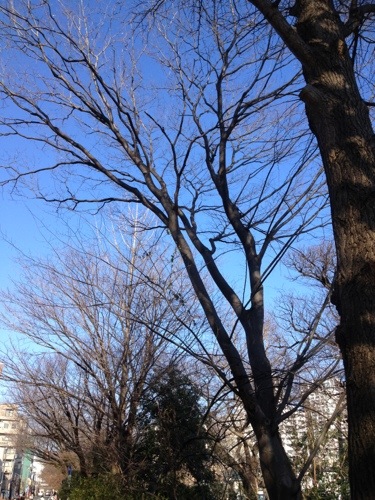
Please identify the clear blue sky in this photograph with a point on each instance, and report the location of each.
(20, 226)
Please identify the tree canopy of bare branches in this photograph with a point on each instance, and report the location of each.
(94, 318)
(194, 113)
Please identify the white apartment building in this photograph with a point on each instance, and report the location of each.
(9, 431)
(19, 472)
(302, 430)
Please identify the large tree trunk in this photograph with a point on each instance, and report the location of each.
(340, 120)
(279, 478)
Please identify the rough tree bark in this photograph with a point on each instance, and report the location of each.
(340, 120)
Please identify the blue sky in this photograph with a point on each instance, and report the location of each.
(20, 226)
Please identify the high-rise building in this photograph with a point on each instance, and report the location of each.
(320, 420)
(15, 460)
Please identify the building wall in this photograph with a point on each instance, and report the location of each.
(9, 428)
(301, 431)
(15, 461)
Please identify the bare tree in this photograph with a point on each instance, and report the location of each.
(300, 335)
(213, 146)
(86, 360)
(306, 320)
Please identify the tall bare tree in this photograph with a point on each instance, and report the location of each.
(300, 334)
(84, 359)
(211, 141)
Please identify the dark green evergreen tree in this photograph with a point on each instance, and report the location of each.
(175, 450)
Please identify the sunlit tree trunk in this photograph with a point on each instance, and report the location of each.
(340, 120)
